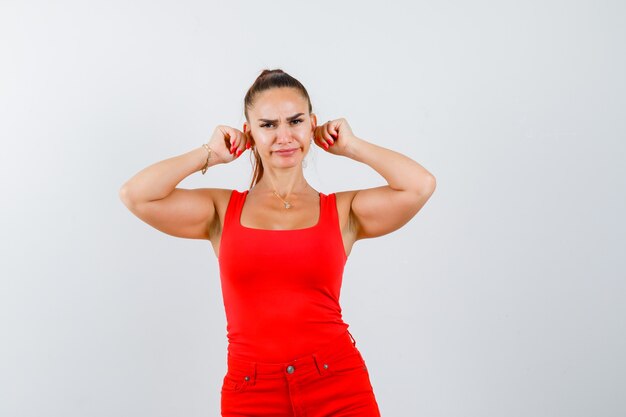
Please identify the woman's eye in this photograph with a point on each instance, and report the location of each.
(270, 124)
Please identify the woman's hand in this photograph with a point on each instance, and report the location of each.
(228, 143)
(335, 136)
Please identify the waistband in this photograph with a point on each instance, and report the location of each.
(343, 345)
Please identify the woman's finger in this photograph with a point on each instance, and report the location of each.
(327, 135)
(332, 130)
(234, 140)
(228, 137)
(234, 143)
(240, 144)
(316, 137)
(321, 142)
(220, 142)
(248, 138)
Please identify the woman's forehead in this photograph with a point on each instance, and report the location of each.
(279, 103)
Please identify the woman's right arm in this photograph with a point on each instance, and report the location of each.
(151, 194)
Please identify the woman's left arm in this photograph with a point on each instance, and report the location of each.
(380, 210)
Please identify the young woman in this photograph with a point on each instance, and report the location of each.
(282, 247)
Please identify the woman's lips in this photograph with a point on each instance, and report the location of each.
(286, 152)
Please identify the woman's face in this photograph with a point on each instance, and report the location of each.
(281, 127)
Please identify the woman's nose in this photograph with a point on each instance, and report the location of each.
(283, 134)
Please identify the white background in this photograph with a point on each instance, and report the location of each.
(504, 296)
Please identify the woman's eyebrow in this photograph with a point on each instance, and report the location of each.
(295, 116)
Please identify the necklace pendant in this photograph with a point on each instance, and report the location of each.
(287, 205)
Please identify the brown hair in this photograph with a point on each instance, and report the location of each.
(269, 79)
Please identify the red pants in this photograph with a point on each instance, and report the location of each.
(332, 382)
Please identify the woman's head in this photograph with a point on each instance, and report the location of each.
(278, 117)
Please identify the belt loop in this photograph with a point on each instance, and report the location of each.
(353, 341)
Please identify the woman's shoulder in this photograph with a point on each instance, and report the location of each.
(344, 196)
(343, 200)
(219, 196)
(219, 192)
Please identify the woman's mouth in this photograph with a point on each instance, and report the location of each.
(286, 152)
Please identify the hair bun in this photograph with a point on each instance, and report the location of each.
(269, 72)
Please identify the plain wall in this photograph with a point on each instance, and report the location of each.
(504, 296)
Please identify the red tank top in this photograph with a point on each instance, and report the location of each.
(281, 287)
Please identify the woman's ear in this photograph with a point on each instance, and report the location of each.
(247, 131)
(313, 122)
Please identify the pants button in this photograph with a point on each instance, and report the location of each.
(290, 369)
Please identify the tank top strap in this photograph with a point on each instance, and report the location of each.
(233, 209)
(328, 207)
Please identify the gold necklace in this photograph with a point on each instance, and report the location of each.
(286, 203)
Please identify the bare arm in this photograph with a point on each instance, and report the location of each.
(380, 210)
(158, 180)
(151, 194)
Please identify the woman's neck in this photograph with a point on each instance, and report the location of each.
(285, 182)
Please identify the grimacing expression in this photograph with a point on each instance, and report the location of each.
(281, 126)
